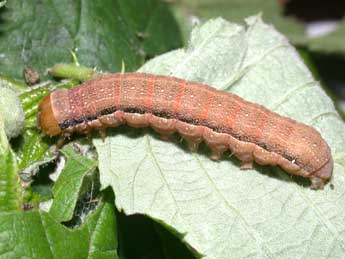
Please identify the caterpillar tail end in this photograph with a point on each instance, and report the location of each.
(319, 177)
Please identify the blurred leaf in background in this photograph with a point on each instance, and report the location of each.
(39, 34)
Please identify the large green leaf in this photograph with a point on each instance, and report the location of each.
(222, 211)
(40, 34)
(36, 234)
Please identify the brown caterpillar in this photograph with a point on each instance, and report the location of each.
(197, 112)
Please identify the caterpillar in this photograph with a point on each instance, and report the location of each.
(198, 113)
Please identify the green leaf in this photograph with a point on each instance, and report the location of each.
(330, 43)
(10, 189)
(153, 24)
(225, 212)
(101, 33)
(36, 234)
(67, 188)
(32, 150)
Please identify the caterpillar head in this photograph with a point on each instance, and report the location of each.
(46, 118)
